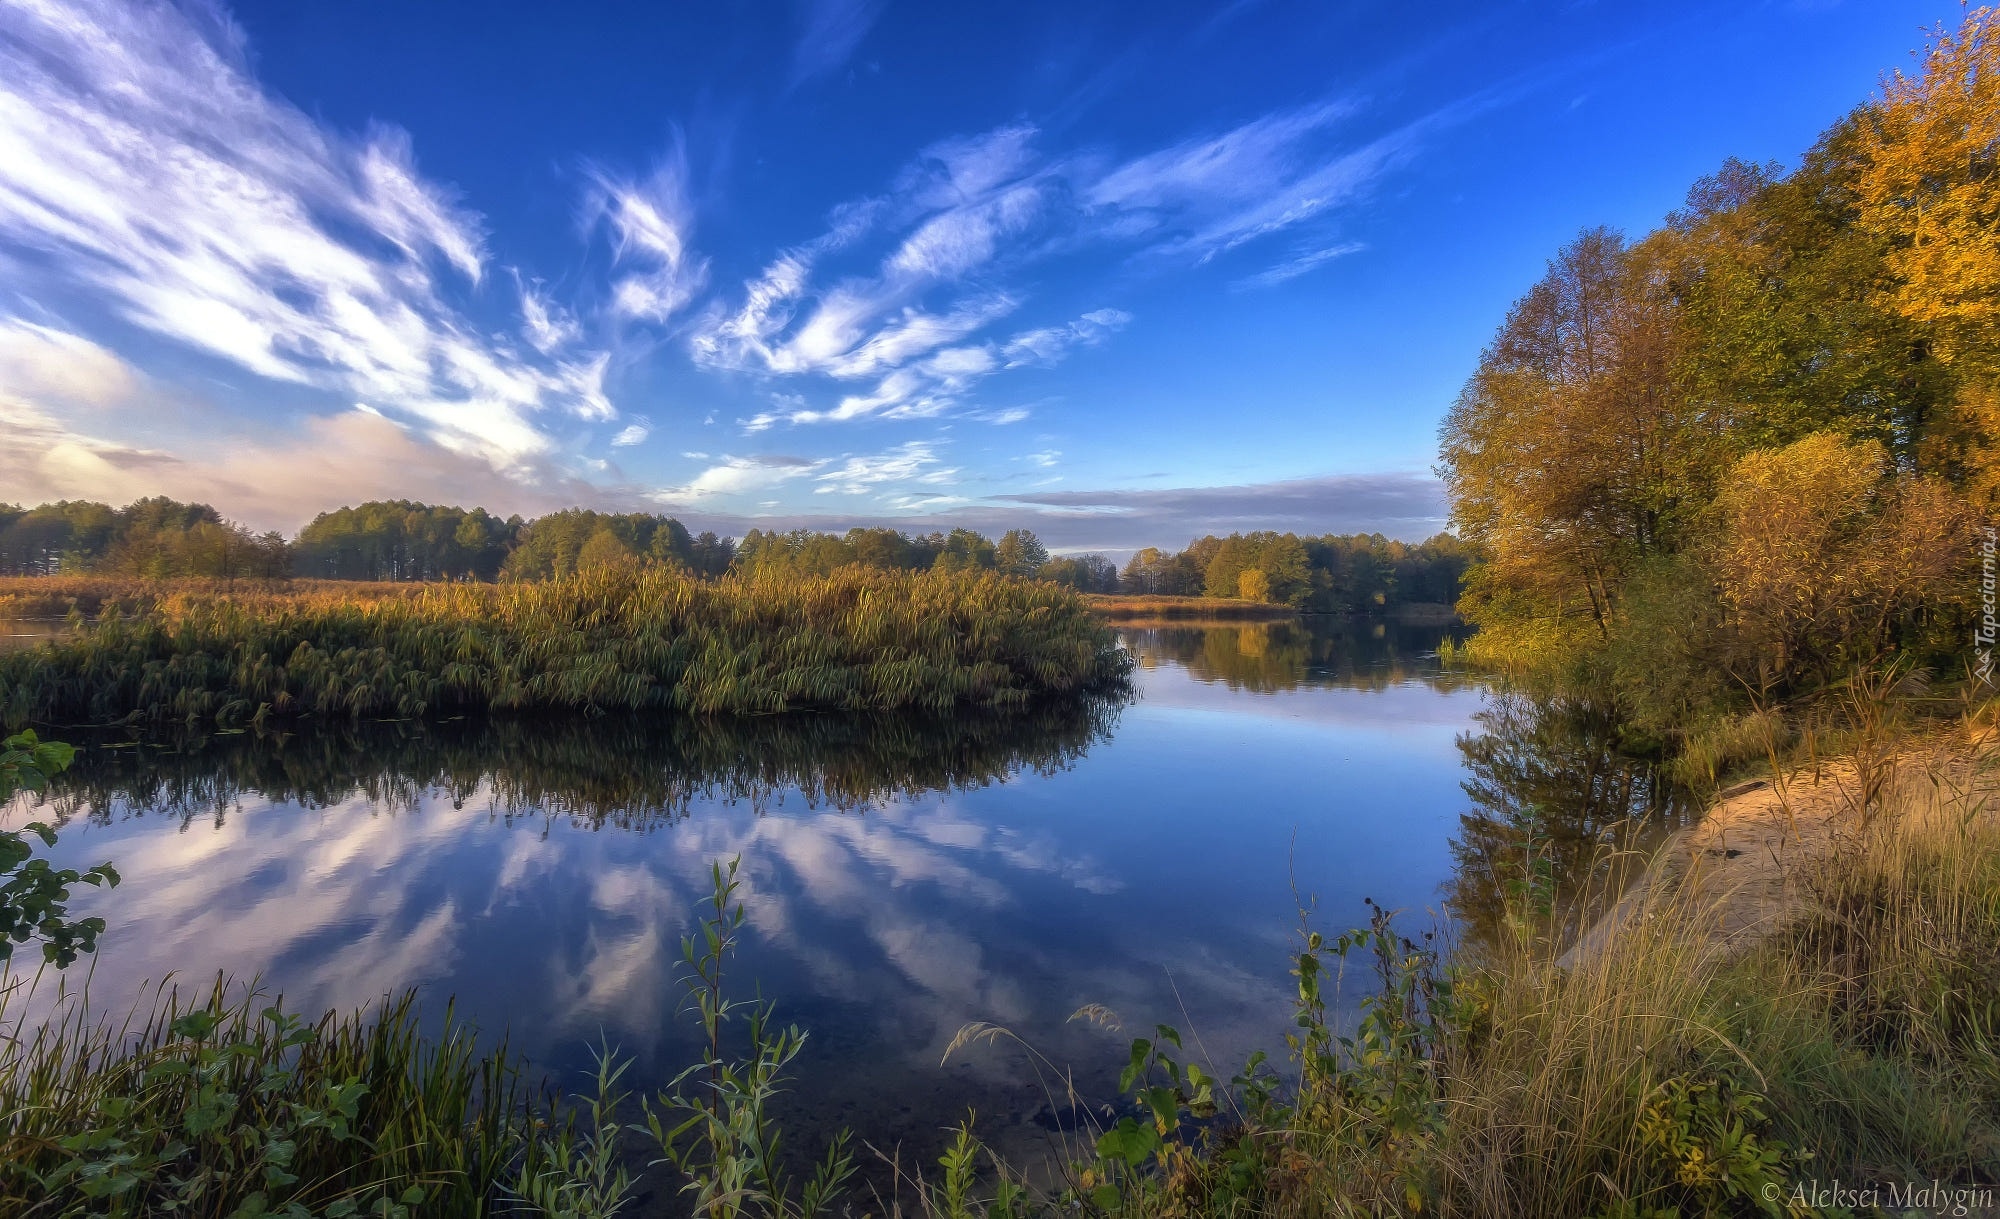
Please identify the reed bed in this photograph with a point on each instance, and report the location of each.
(614, 638)
(221, 1103)
(91, 595)
(1119, 609)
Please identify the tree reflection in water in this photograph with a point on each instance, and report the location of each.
(632, 772)
(1266, 657)
(1559, 816)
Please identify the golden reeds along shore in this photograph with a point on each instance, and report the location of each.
(610, 638)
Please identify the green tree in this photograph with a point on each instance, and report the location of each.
(1020, 553)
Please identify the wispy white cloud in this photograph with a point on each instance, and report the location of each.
(154, 177)
(631, 434)
(1298, 265)
(907, 463)
(547, 325)
(957, 207)
(737, 476)
(829, 32)
(650, 223)
(969, 211)
(60, 395)
(1200, 195)
(1050, 343)
(42, 364)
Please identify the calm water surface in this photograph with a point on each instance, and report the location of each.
(902, 877)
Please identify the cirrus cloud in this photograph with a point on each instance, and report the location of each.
(143, 170)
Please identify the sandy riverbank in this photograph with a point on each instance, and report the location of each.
(1745, 864)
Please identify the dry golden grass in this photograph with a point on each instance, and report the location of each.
(56, 596)
(1863, 1017)
(1123, 609)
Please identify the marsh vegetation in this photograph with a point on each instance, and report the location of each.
(611, 638)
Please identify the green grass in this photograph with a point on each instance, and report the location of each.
(610, 639)
(222, 1103)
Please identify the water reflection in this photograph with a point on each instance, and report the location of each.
(629, 772)
(1559, 816)
(1352, 653)
(903, 876)
(18, 634)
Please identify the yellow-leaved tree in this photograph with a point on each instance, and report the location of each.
(1818, 555)
(1929, 188)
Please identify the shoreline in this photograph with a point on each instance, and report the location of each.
(1741, 864)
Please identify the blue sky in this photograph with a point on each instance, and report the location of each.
(1119, 273)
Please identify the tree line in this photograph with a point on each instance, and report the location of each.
(156, 537)
(1742, 458)
(399, 540)
(1330, 574)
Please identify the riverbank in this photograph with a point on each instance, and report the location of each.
(1812, 961)
(1749, 862)
(1740, 1037)
(612, 638)
(1124, 610)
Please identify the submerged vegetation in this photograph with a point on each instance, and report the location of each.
(617, 637)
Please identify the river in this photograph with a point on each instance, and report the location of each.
(901, 877)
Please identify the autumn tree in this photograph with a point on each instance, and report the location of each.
(1572, 451)
(1929, 189)
(1154, 572)
(1738, 459)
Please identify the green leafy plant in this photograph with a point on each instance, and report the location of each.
(231, 1106)
(713, 1122)
(1709, 1145)
(34, 896)
(579, 1174)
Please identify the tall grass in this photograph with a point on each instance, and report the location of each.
(610, 638)
(222, 1103)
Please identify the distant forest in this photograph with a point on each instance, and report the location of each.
(404, 541)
